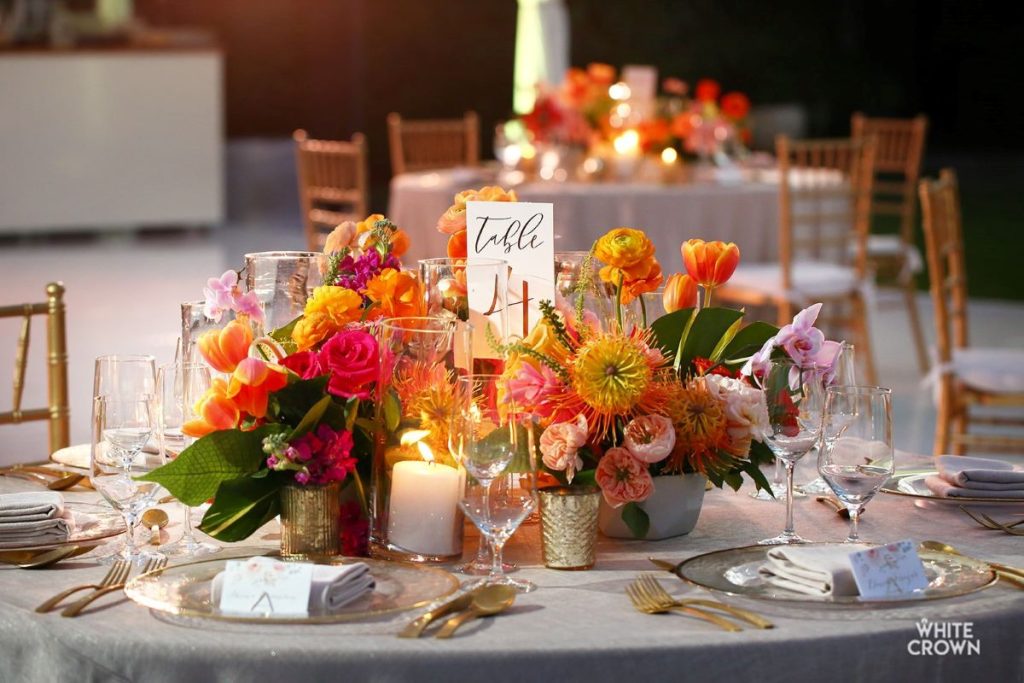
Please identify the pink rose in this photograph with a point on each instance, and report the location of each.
(650, 438)
(623, 478)
(305, 364)
(353, 361)
(560, 444)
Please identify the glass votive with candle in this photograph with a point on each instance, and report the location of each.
(283, 281)
(416, 482)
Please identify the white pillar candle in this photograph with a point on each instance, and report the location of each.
(424, 507)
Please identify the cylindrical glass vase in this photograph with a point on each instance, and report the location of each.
(568, 519)
(416, 482)
(283, 281)
(310, 521)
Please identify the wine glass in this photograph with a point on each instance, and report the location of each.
(795, 396)
(843, 373)
(124, 376)
(121, 427)
(500, 491)
(181, 385)
(856, 455)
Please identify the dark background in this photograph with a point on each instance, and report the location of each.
(339, 66)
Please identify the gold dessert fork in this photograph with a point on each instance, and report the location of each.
(117, 573)
(648, 604)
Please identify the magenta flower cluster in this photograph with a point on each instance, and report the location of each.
(354, 273)
(318, 457)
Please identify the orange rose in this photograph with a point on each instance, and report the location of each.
(214, 412)
(252, 383)
(680, 292)
(632, 288)
(457, 245)
(707, 90)
(735, 105)
(225, 348)
(395, 294)
(711, 264)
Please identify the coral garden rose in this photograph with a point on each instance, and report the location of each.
(560, 444)
(352, 359)
(623, 478)
(649, 438)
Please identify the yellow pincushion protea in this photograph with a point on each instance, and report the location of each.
(611, 373)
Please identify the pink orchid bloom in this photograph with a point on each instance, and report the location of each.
(218, 293)
(248, 304)
(801, 340)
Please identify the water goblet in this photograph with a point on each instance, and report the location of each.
(843, 373)
(856, 454)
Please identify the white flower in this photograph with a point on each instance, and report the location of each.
(745, 409)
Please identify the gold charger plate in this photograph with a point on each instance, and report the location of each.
(184, 590)
(734, 571)
(911, 485)
(106, 523)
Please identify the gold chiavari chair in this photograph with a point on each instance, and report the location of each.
(967, 377)
(824, 203)
(333, 183)
(431, 144)
(895, 257)
(56, 412)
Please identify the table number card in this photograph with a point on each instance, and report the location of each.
(888, 571)
(522, 233)
(263, 586)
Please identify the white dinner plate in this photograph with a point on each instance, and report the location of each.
(912, 485)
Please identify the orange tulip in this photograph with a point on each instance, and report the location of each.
(711, 264)
(224, 349)
(252, 383)
(457, 245)
(214, 411)
(680, 292)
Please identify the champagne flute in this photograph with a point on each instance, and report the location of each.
(856, 455)
(181, 385)
(121, 427)
(795, 397)
(843, 373)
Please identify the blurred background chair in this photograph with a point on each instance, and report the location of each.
(434, 143)
(333, 183)
(895, 257)
(824, 204)
(56, 412)
(967, 377)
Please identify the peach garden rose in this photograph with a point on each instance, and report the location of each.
(560, 444)
(622, 478)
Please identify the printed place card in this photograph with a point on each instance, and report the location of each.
(263, 586)
(522, 233)
(888, 571)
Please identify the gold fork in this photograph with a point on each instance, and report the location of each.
(655, 589)
(989, 523)
(151, 565)
(647, 604)
(117, 573)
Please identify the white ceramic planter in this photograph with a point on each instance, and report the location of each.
(673, 508)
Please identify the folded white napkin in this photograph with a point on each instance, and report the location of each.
(942, 488)
(979, 473)
(73, 456)
(333, 587)
(823, 570)
(34, 518)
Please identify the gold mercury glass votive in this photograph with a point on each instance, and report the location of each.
(568, 518)
(310, 521)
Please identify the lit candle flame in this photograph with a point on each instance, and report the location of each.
(669, 155)
(627, 143)
(416, 436)
(425, 451)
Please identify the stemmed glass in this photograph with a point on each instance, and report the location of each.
(856, 455)
(121, 427)
(500, 491)
(795, 396)
(843, 373)
(181, 385)
(124, 376)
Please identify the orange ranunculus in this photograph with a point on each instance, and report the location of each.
(214, 411)
(366, 225)
(457, 245)
(680, 292)
(399, 242)
(494, 193)
(632, 288)
(707, 90)
(342, 237)
(252, 383)
(395, 294)
(327, 311)
(711, 264)
(627, 252)
(454, 219)
(735, 105)
(225, 348)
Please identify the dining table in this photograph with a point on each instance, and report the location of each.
(732, 205)
(576, 626)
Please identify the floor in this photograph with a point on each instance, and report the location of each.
(123, 291)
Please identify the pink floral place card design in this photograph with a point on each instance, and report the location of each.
(522, 233)
(888, 571)
(263, 586)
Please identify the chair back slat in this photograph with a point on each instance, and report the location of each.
(432, 144)
(333, 183)
(57, 411)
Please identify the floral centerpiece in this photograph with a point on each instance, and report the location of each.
(624, 406)
(294, 408)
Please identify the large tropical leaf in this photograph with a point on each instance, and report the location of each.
(708, 328)
(749, 340)
(242, 506)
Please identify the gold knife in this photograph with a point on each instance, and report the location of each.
(663, 564)
(416, 627)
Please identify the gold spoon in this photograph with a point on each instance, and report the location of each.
(154, 517)
(1012, 574)
(64, 481)
(488, 601)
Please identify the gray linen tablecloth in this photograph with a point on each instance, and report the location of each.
(578, 626)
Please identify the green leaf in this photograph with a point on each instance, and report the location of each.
(198, 472)
(284, 334)
(636, 519)
(585, 478)
(709, 326)
(241, 507)
(392, 411)
(296, 399)
(669, 328)
(749, 340)
(730, 334)
(311, 418)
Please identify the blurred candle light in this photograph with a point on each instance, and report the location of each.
(619, 91)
